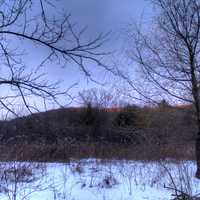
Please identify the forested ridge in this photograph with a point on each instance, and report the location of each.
(129, 125)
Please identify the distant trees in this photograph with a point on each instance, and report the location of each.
(126, 125)
(127, 117)
(163, 104)
(93, 114)
(100, 98)
(89, 116)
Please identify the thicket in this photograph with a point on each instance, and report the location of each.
(130, 125)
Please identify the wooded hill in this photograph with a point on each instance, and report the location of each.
(128, 125)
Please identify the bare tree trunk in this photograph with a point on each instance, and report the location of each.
(195, 93)
(197, 147)
(169, 55)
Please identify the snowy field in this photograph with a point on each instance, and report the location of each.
(97, 180)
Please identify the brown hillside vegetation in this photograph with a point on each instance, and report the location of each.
(131, 132)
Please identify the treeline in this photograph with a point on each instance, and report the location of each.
(130, 124)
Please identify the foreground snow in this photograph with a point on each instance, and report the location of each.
(102, 180)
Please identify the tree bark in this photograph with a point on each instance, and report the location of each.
(195, 92)
(197, 148)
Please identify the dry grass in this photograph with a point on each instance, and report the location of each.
(65, 151)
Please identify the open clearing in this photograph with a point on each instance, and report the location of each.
(98, 180)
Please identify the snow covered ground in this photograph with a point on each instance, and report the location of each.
(93, 179)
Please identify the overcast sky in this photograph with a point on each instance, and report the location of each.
(100, 16)
(105, 14)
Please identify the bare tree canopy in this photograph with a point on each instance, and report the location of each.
(29, 22)
(169, 53)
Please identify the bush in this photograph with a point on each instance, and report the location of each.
(89, 116)
(94, 119)
(127, 117)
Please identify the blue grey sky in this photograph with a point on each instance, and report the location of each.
(100, 16)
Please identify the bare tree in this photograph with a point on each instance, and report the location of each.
(168, 54)
(26, 23)
(20, 180)
(98, 97)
